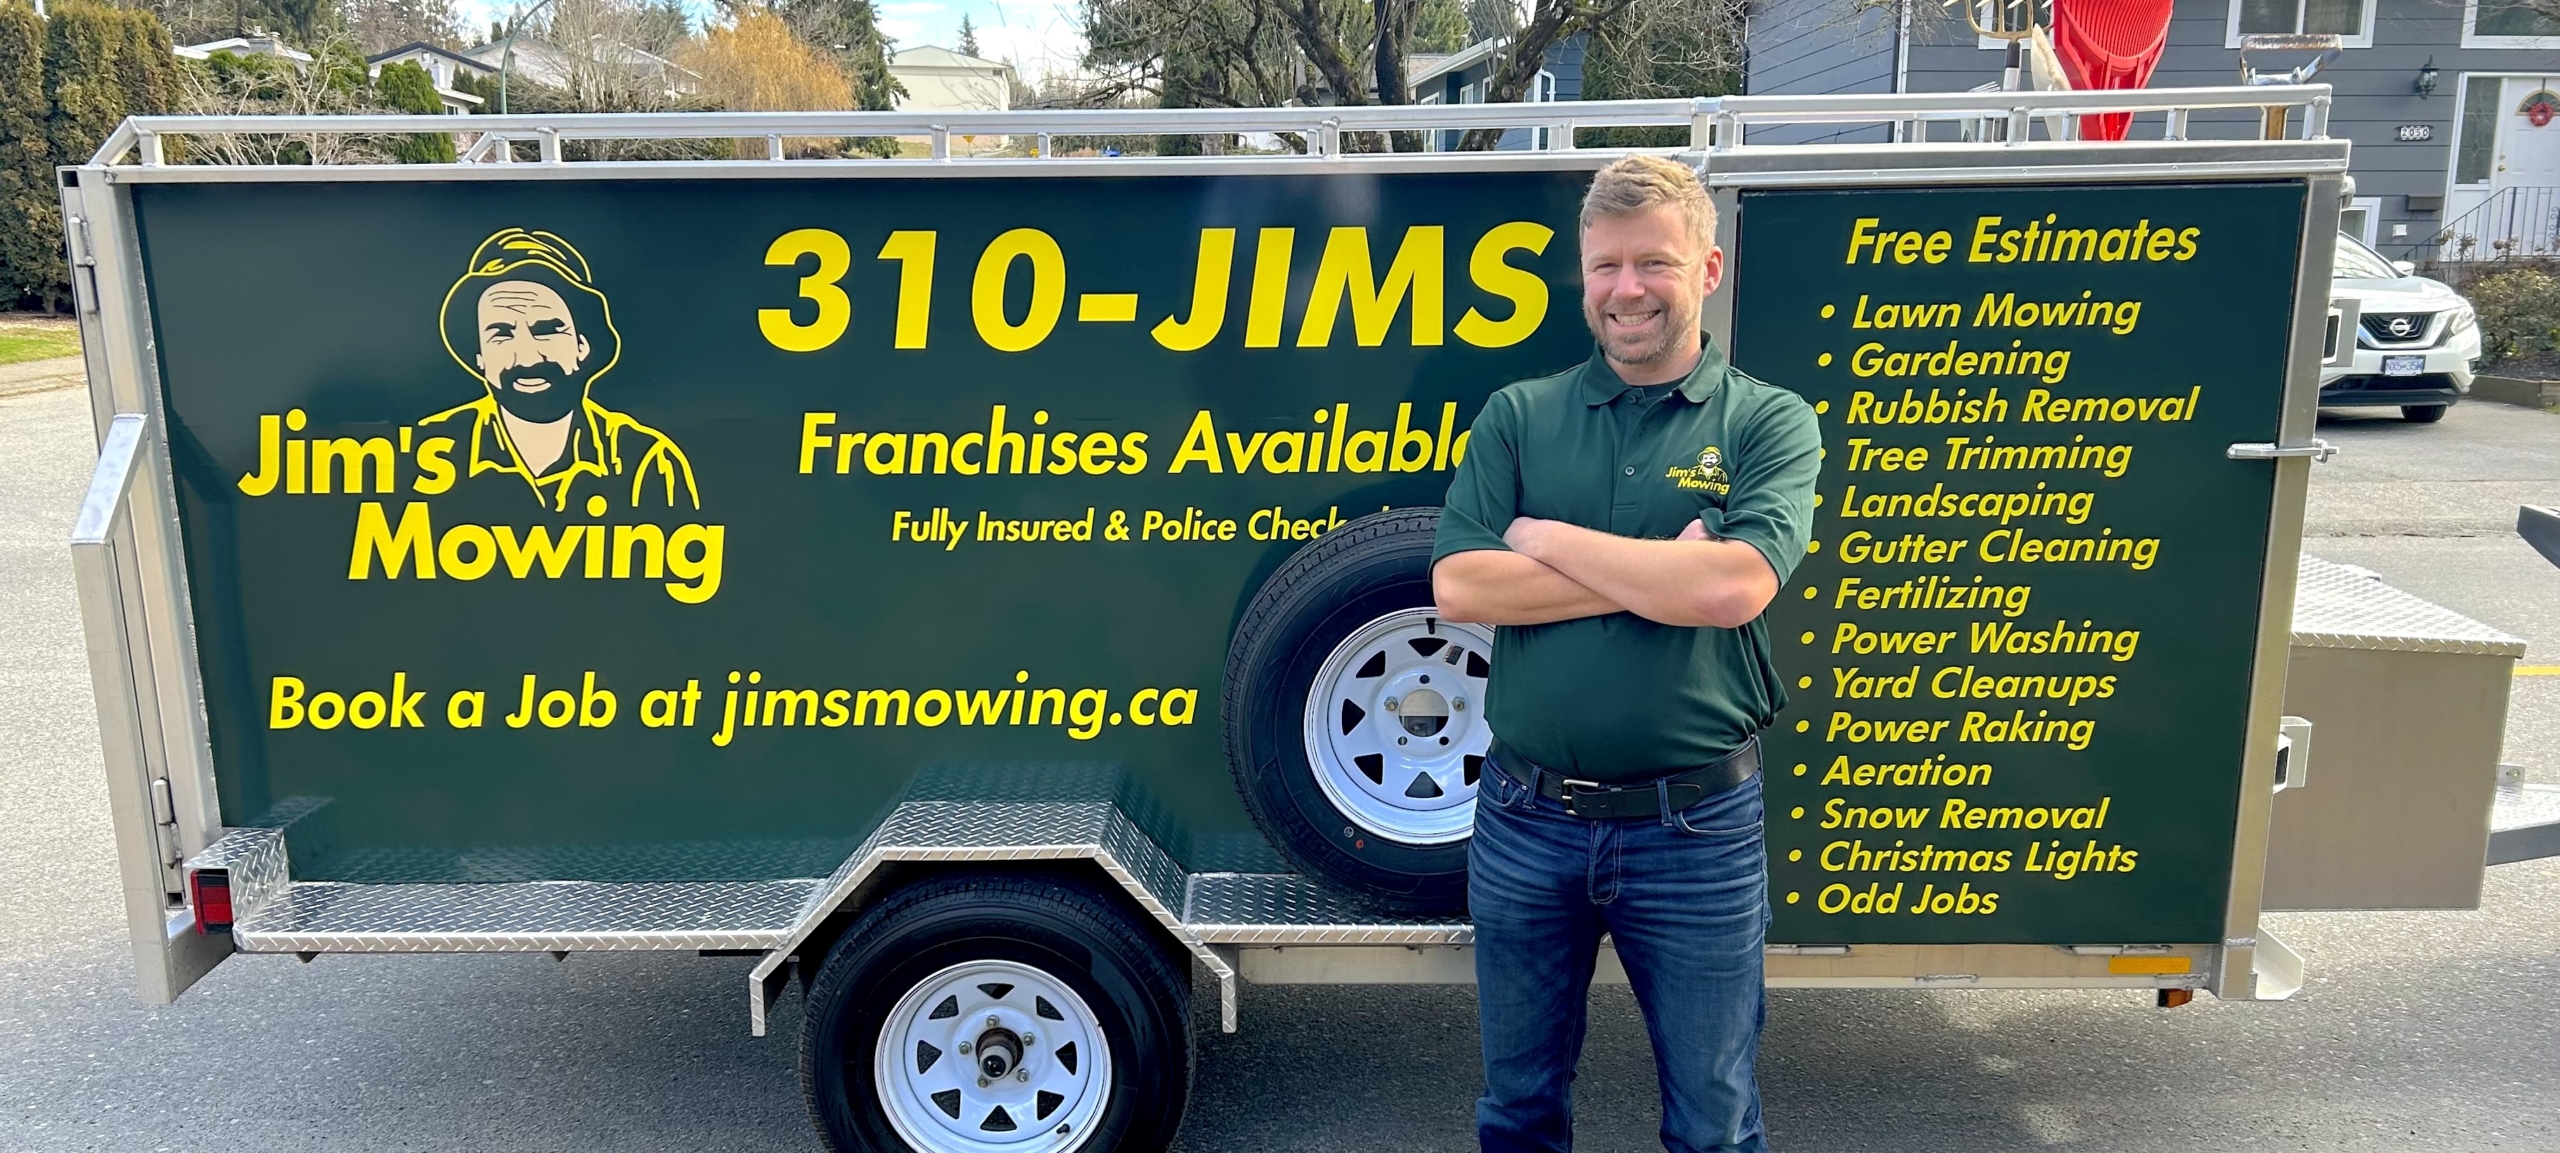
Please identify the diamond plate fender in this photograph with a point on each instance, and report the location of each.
(977, 832)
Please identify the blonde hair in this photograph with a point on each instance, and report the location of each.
(1636, 183)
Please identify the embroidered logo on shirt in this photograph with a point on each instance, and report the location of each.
(1708, 474)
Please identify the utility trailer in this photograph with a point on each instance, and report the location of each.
(1072, 654)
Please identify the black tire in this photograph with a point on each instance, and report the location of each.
(2423, 413)
(1369, 567)
(1136, 986)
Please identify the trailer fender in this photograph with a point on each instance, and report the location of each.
(919, 835)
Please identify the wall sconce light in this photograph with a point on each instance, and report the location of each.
(2426, 85)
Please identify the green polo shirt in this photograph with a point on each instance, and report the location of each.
(1619, 698)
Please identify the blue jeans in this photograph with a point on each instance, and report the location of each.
(1684, 897)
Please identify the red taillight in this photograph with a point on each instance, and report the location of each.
(209, 890)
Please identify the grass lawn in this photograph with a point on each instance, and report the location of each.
(28, 338)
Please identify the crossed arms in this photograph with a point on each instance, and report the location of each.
(1556, 571)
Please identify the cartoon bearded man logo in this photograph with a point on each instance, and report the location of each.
(527, 320)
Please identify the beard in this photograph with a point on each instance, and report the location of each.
(566, 389)
(1642, 348)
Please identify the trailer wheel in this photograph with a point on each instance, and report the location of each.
(1355, 716)
(997, 1014)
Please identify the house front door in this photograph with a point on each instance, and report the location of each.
(2524, 182)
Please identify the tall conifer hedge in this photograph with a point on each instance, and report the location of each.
(30, 225)
(66, 81)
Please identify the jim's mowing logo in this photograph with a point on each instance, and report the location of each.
(1708, 474)
(528, 322)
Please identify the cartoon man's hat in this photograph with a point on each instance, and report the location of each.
(543, 258)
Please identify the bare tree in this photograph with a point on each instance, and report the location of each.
(332, 84)
(1192, 54)
(382, 25)
(1242, 53)
(601, 62)
(1664, 36)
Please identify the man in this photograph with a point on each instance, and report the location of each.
(540, 335)
(1625, 523)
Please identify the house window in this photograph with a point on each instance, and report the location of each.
(2352, 19)
(2508, 24)
(2478, 147)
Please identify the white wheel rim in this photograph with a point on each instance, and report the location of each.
(1394, 726)
(928, 1067)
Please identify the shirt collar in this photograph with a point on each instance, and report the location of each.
(1601, 383)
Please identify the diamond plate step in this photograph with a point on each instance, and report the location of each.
(532, 917)
(2338, 606)
(2525, 825)
(1288, 909)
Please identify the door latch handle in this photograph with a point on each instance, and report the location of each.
(2318, 449)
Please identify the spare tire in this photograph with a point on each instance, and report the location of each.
(1355, 716)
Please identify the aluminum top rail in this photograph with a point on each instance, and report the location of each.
(1716, 122)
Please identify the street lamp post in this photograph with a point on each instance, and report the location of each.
(507, 58)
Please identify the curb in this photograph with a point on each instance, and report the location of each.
(42, 375)
(2542, 394)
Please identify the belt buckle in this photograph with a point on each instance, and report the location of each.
(1571, 786)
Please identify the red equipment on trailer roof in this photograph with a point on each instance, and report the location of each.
(2109, 44)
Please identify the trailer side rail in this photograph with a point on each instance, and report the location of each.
(1717, 122)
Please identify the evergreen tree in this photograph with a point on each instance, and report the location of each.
(82, 82)
(850, 29)
(1442, 26)
(406, 87)
(99, 65)
(968, 36)
(145, 68)
(870, 46)
(30, 216)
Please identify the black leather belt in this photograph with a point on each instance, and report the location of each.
(1593, 800)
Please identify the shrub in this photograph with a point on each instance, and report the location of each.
(2519, 314)
(406, 87)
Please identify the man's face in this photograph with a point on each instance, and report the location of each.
(530, 350)
(1644, 280)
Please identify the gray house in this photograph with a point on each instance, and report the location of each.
(2451, 103)
(1464, 76)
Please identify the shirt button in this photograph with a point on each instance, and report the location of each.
(1631, 470)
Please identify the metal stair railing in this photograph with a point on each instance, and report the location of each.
(2515, 223)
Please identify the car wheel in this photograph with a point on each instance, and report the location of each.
(1355, 716)
(997, 1014)
(2423, 413)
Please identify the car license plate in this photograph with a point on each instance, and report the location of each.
(2403, 365)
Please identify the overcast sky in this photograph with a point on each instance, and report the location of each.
(1038, 36)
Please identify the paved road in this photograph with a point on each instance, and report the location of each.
(2419, 1031)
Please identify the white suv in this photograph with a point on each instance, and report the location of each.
(2415, 338)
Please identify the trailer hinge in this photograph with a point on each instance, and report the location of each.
(2117, 950)
(164, 815)
(2318, 449)
(1806, 950)
(84, 265)
(1947, 979)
